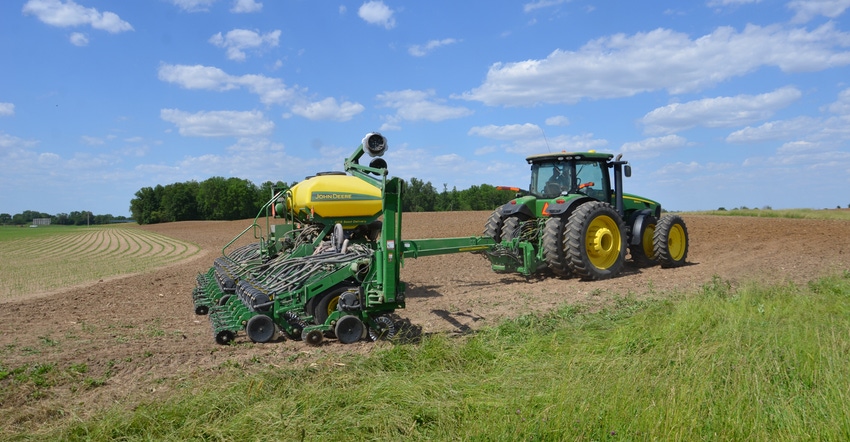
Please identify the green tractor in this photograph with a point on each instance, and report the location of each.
(575, 221)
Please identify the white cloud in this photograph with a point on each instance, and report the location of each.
(194, 5)
(422, 50)
(507, 132)
(413, 105)
(808, 9)
(719, 112)
(375, 12)
(652, 147)
(774, 130)
(218, 123)
(237, 41)
(840, 106)
(528, 138)
(7, 109)
(558, 120)
(270, 90)
(246, 6)
(79, 39)
(328, 109)
(540, 4)
(717, 3)
(625, 65)
(67, 14)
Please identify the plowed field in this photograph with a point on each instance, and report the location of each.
(138, 337)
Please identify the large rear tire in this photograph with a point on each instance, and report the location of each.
(493, 228)
(510, 228)
(671, 241)
(595, 245)
(643, 254)
(555, 246)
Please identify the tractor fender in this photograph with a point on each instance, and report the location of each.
(515, 208)
(564, 207)
(636, 223)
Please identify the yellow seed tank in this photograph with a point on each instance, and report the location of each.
(335, 196)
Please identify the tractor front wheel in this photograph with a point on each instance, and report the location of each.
(555, 246)
(670, 241)
(595, 245)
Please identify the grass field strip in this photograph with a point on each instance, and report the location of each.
(65, 258)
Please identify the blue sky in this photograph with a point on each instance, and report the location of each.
(718, 103)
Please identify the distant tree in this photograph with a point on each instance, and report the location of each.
(146, 206)
(721, 209)
(5, 218)
(180, 201)
(419, 196)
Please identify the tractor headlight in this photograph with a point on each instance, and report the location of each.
(374, 144)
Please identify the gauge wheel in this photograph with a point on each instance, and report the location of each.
(671, 241)
(595, 245)
(260, 329)
(349, 329)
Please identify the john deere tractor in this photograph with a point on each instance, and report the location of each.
(575, 220)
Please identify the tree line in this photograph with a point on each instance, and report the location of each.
(82, 218)
(220, 198)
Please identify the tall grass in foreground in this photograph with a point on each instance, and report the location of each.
(757, 363)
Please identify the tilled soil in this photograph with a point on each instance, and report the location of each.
(132, 338)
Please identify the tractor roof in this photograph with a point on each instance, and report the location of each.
(561, 156)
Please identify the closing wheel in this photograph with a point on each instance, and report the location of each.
(349, 329)
(223, 300)
(595, 245)
(202, 310)
(224, 337)
(643, 254)
(313, 338)
(671, 241)
(384, 328)
(260, 328)
(555, 246)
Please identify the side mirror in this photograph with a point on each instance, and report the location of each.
(627, 170)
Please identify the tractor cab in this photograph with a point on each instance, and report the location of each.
(562, 174)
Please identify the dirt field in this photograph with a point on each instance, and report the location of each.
(137, 336)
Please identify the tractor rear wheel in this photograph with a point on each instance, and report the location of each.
(510, 228)
(555, 246)
(671, 241)
(595, 245)
(493, 228)
(643, 254)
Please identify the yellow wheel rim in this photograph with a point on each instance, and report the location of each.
(333, 304)
(646, 241)
(676, 242)
(603, 242)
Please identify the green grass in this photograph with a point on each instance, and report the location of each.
(783, 213)
(754, 363)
